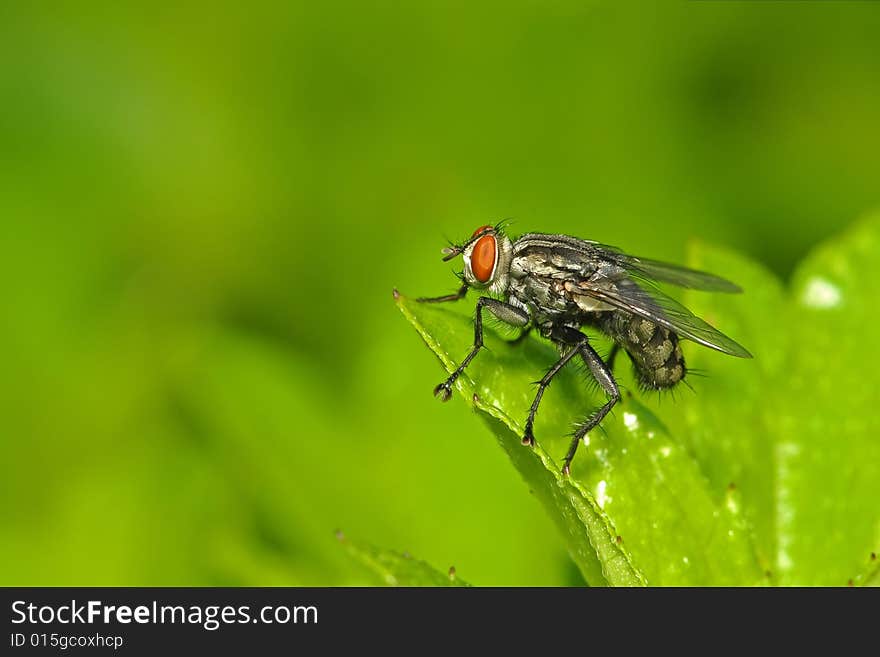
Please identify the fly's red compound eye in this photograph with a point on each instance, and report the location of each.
(481, 229)
(483, 257)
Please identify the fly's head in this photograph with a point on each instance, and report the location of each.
(486, 256)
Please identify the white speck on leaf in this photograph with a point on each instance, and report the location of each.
(601, 498)
(821, 293)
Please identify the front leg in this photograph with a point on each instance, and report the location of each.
(503, 311)
(455, 296)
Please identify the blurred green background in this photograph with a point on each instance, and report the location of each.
(205, 209)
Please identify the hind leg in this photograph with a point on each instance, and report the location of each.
(528, 436)
(602, 373)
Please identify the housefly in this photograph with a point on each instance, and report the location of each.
(559, 284)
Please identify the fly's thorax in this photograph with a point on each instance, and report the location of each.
(555, 256)
(487, 263)
(655, 351)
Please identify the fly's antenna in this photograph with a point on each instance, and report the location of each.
(456, 249)
(451, 251)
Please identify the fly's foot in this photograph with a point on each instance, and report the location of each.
(443, 391)
(528, 437)
(566, 469)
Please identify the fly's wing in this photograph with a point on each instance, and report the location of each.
(653, 270)
(664, 272)
(627, 295)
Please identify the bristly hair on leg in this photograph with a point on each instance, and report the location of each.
(538, 382)
(584, 374)
(502, 329)
(601, 425)
(577, 426)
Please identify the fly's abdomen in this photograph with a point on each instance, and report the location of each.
(655, 351)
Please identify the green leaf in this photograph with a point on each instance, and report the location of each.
(768, 472)
(393, 569)
(723, 422)
(828, 451)
(799, 432)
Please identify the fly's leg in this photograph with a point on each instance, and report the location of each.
(602, 373)
(528, 435)
(503, 311)
(462, 291)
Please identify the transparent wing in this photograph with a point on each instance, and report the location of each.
(664, 272)
(627, 295)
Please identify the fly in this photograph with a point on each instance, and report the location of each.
(559, 284)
